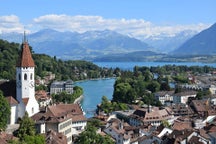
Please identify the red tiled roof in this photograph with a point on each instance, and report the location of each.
(11, 100)
(53, 137)
(25, 59)
(60, 112)
(25, 101)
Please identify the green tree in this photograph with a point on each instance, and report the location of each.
(153, 86)
(120, 92)
(26, 128)
(89, 136)
(165, 123)
(4, 111)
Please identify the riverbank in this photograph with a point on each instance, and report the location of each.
(79, 99)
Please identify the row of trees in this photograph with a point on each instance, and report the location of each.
(66, 97)
(109, 106)
(142, 82)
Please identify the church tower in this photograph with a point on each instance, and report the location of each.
(25, 88)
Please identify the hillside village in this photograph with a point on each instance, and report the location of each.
(184, 115)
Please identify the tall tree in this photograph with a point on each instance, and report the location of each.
(27, 127)
(4, 111)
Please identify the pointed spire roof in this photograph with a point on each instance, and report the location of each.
(25, 59)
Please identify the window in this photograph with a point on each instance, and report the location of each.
(31, 76)
(25, 76)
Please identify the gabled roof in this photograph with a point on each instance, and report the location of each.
(11, 100)
(25, 59)
(59, 113)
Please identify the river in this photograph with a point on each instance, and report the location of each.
(95, 89)
(93, 92)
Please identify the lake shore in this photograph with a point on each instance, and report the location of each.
(79, 99)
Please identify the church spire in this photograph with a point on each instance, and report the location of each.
(25, 59)
(24, 37)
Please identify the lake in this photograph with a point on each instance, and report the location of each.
(95, 89)
(130, 65)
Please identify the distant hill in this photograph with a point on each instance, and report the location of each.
(204, 43)
(73, 45)
(132, 56)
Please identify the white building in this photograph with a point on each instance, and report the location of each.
(25, 83)
(60, 86)
(164, 96)
(25, 86)
(14, 105)
(68, 119)
(182, 97)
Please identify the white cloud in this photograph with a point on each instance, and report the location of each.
(138, 28)
(10, 23)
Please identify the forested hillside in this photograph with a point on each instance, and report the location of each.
(75, 70)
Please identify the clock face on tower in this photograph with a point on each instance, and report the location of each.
(31, 84)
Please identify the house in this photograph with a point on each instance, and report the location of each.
(203, 108)
(182, 137)
(182, 97)
(62, 118)
(183, 123)
(164, 96)
(42, 98)
(60, 86)
(154, 116)
(181, 110)
(123, 133)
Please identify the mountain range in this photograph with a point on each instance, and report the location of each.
(73, 45)
(110, 45)
(203, 43)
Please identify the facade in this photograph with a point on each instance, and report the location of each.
(60, 86)
(25, 86)
(14, 106)
(182, 97)
(61, 119)
(164, 96)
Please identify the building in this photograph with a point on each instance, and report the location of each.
(123, 133)
(60, 86)
(182, 97)
(164, 96)
(13, 105)
(25, 86)
(62, 118)
(42, 98)
(153, 116)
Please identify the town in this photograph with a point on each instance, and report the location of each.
(160, 105)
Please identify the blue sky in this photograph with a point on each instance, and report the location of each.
(139, 18)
